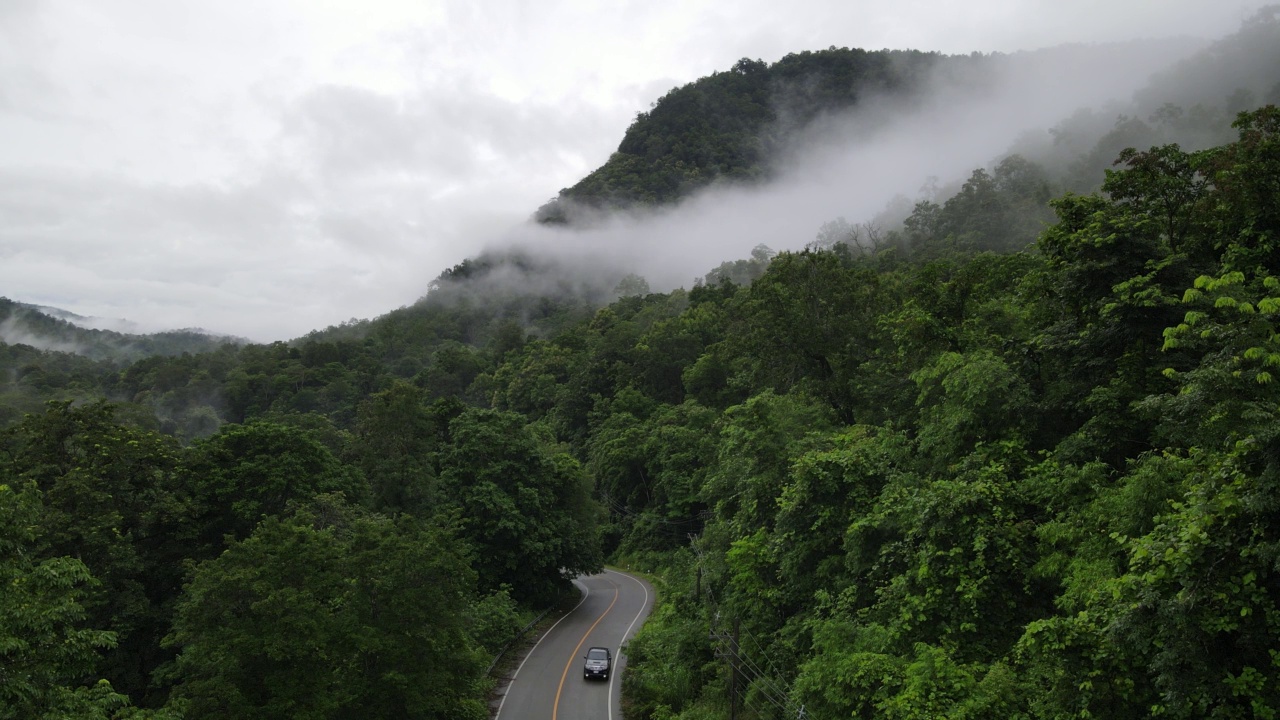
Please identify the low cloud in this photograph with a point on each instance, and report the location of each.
(13, 332)
(855, 164)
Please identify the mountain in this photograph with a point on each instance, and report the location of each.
(84, 321)
(727, 125)
(737, 126)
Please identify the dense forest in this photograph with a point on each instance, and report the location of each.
(1013, 454)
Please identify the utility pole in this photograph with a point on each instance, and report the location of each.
(727, 648)
(733, 672)
(697, 588)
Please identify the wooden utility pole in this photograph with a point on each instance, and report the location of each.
(733, 672)
(727, 648)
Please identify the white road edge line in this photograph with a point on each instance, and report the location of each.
(618, 653)
(585, 592)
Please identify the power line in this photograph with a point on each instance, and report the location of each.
(769, 687)
(763, 652)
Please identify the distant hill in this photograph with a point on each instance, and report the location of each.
(56, 330)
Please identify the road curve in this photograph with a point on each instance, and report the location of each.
(548, 683)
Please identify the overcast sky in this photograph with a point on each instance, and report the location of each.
(268, 167)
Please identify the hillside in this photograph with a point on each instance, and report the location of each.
(60, 331)
(727, 126)
(737, 126)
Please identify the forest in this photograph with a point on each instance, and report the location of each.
(1015, 454)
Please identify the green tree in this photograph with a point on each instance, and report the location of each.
(396, 436)
(806, 324)
(330, 613)
(758, 442)
(47, 655)
(453, 367)
(968, 399)
(112, 499)
(525, 509)
(247, 472)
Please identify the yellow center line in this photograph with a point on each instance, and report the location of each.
(555, 709)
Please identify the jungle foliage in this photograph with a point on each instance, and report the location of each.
(1039, 484)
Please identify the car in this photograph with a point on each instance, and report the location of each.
(598, 663)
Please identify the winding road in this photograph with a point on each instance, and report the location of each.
(548, 683)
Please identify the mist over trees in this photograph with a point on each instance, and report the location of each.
(1005, 450)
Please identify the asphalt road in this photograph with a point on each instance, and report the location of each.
(548, 683)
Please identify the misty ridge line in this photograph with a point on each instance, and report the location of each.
(58, 331)
(871, 162)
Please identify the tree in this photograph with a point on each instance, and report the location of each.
(396, 438)
(526, 510)
(806, 323)
(248, 472)
(758, 440)
(829, 487)
(330, 613)
(46, 653)
(1245, 220)
(454, 366)
(111, 499)
(632, 285)
(967, 399)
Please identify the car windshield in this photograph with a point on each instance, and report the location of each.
(597, 655)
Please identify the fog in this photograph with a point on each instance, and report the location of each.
(858, 163)
(13, 332)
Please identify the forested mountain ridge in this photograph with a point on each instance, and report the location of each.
(737, 126)
(42, 328)
(727, 125)
(998, 460)
(45, 357)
